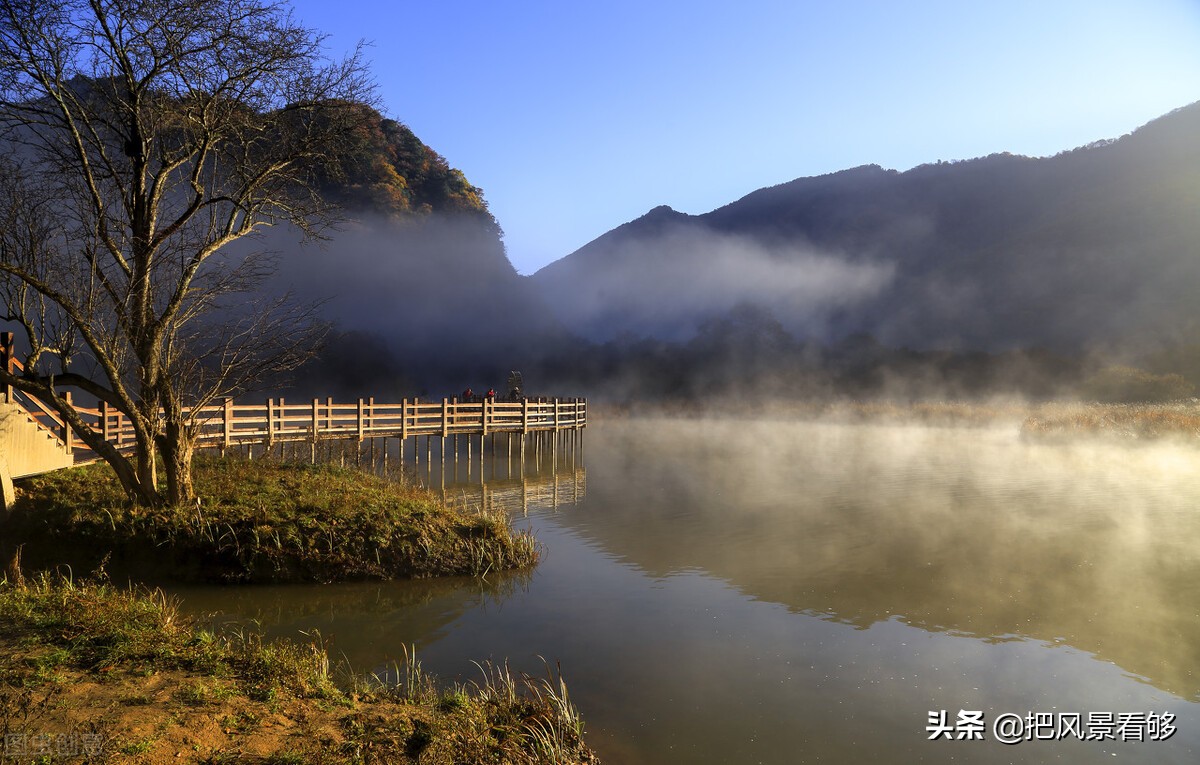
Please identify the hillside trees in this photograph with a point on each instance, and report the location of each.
(386, 169)
(142, 138)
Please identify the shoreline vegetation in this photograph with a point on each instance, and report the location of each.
(259, 521)
(1178, 419)
(95, 673)
(1129, 422)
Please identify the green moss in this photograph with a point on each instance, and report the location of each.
(260, 522)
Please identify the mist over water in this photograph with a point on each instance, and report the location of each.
(731, 591)
(669, 283)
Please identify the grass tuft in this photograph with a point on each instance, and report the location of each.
(123, 639)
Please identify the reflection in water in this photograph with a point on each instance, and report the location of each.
(366, 623)
(966, 531)
(515, 496)
(370, 623)
(738, 591)
(500, 473)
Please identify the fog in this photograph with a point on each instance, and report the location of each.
(669, 284)
(677, 311)
(968, 531)
(744, 589)
(417, 307)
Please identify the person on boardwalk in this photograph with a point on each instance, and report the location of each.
(468, 394)
(515, 386)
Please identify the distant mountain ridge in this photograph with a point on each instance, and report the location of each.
(1094, 247)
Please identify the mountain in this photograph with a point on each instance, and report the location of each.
(416, 282)
(385, 169)
(1092, 248)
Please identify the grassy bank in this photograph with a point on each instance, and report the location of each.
(1172, 419)
(259, 521)
(1121, 421)
(94, 672)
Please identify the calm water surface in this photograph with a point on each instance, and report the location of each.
(722, 591)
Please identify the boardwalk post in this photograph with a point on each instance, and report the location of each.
(360, 420)
(9, 359)
(226, 424)
(68, 434)
(270, 423)
(445, 417)
(315, 427)
(524, 416)
(556, 414)
(104, 420)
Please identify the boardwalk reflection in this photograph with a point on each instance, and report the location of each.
(503, 473)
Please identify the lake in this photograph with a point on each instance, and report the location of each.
(742, 591)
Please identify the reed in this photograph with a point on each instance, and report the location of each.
(1122, 421)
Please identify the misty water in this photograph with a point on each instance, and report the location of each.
(741, 591)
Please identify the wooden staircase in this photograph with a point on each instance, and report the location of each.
(28, 446)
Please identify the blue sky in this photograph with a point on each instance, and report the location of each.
(577, 117)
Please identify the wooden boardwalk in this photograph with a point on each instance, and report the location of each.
(275, 422)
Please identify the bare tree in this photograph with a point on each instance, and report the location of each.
(141, 139)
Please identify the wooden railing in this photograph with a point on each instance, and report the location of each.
(276, 421)
(45, 418)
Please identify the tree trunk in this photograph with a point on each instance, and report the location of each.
(147, 474)
(178, 448)
(140, 492)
